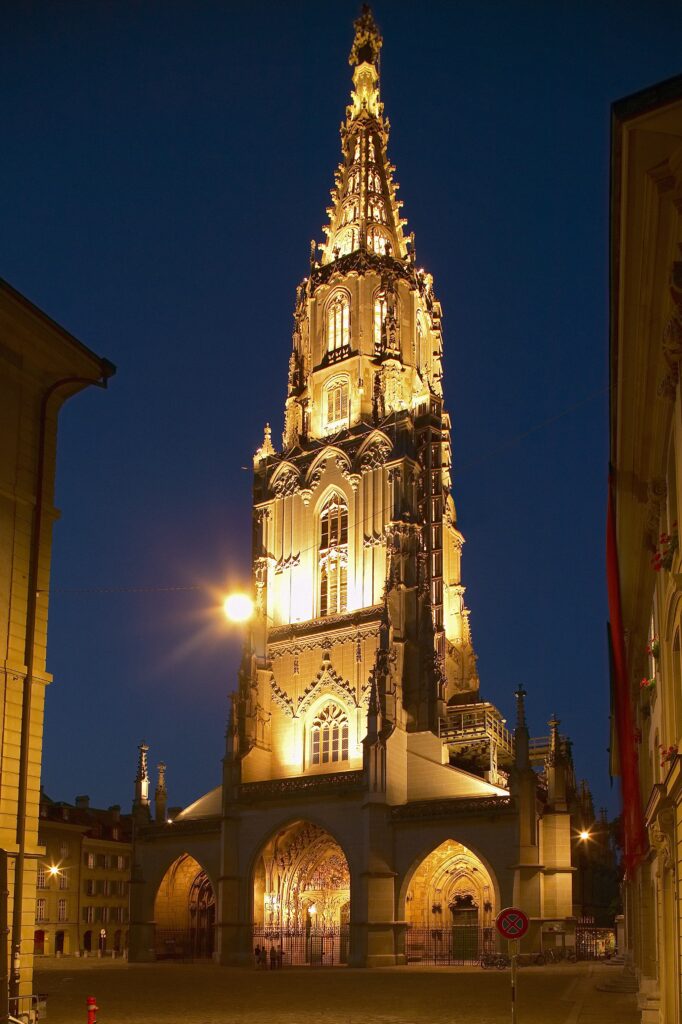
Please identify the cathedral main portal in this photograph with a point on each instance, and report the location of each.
(301, 898)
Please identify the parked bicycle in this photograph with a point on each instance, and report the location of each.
(498, 960)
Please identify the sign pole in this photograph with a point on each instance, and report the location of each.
(514, 954)
(512, 924)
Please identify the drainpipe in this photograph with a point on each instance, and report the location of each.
(31, 610)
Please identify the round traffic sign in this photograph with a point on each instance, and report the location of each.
(512, 923)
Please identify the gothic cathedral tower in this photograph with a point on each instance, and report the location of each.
(356, 546)
(370, 800)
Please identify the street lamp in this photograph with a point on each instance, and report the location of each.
(238, 607)
(584, 836)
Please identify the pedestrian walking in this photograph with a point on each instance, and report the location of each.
(273, 958)
(256, 954)
(263, 958)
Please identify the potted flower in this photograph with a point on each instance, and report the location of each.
(667, 753)
(648, 684)
(668, 544)
(653, 648)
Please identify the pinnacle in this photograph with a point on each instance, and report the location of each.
(367, 42)
(365, 210)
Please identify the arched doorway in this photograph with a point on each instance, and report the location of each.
(450, 907)
(301, 898)
(184, 912)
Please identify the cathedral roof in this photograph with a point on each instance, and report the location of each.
(365, 213)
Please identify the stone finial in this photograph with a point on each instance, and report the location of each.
(367, 42)
(520, 695)
(267, 448)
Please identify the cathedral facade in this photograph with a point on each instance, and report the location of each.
(373, 809)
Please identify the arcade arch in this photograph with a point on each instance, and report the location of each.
(301, 896)
(451, 886)
(184, 911)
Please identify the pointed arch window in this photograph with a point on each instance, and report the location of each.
(336, 405)
(333, 556)
(329, 736)
(379, 319)
(338, 323)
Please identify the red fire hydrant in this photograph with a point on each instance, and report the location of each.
(92, 1010)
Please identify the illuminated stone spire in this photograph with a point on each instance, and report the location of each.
(160, 794)
(365, 212)
(141, 801)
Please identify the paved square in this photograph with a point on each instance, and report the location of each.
(169, 993)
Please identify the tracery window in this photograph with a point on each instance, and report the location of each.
(333, 556)
(377, 240)
(337, 403)
(379, 319)
(376, 211)
(338, 322)
(329, 736)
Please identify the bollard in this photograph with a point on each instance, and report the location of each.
(92, 1009)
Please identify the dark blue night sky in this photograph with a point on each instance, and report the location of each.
(164, 168)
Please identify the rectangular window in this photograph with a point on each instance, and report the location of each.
(41, 909)
(316, 746)
(325, 745)
(41, 877)
(344, 743)
(61, 910)
(88, 914)
(63, 850)
(90, 887)
(106, 887)
(89, 860)
(120, 863)
(335, 743)
(105, 915)
(63, 879)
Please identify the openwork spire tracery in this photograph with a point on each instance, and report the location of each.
(365, 212)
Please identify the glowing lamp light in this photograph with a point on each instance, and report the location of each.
(238, 607)
(312, 909)
(53, 870)
(583, 836)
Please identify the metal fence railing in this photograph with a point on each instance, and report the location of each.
(457, 945)
(297, 947)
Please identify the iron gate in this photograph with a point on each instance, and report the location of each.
(297, 947)
(464, 944)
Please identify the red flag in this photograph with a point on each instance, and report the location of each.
(633, 822)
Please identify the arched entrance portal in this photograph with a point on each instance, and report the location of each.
(301, 899)
(450, 907)
(184, 912)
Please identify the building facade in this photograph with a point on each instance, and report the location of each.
(646, 458)
(374, 808)
(83, 879)
(41, 366)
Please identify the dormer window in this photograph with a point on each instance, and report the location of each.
(338, 323)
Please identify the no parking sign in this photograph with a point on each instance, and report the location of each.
(511, 923)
